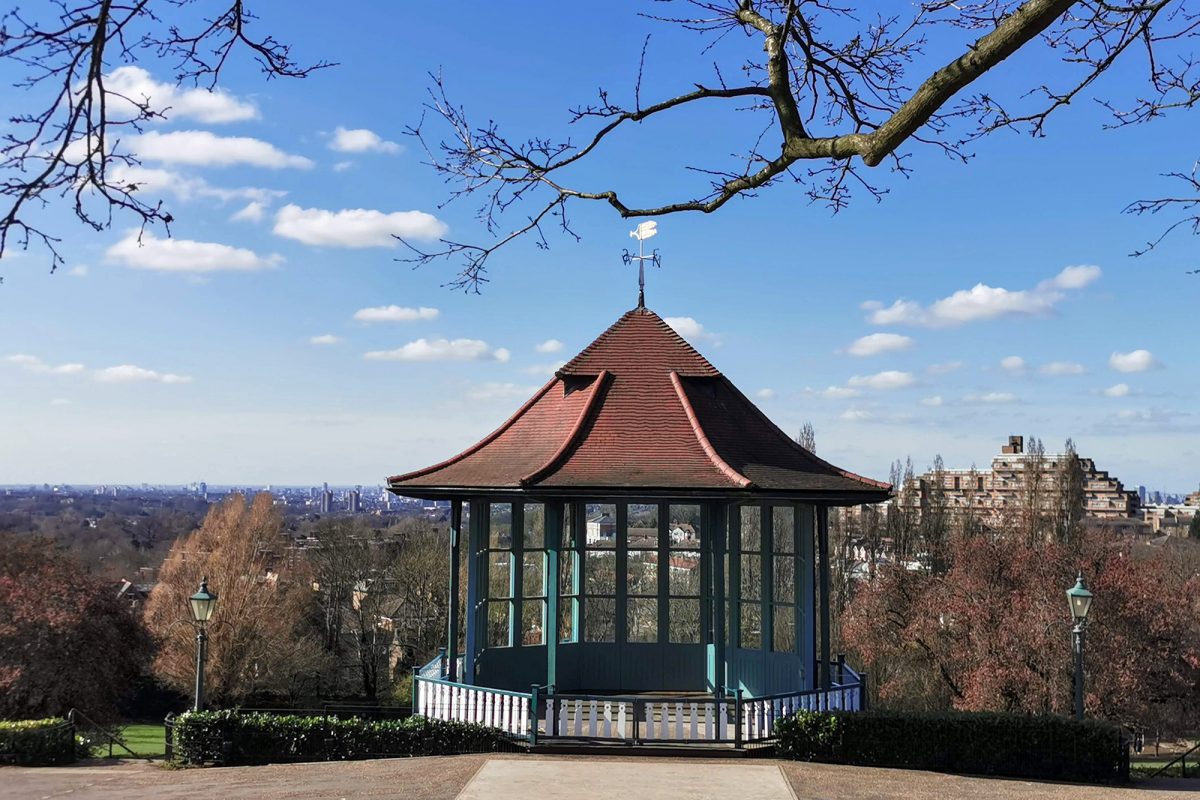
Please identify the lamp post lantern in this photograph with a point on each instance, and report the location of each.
(203, 604)
(1080, 601)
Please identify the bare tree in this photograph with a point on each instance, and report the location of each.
(1069, 499)
(67, 143)
(807, 438)
(830, 89)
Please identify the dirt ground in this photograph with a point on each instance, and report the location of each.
(444, 778)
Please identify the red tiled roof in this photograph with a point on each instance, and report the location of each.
(639, 409)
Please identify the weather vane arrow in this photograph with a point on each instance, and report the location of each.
(645, 230)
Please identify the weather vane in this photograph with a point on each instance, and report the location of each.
(644, 231)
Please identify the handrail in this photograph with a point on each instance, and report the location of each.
(107, 734)
(1180, 758)
(443, 682)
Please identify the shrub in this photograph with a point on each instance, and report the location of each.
(1014, 745)
(233, 737)
(38, 742)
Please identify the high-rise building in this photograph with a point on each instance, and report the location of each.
(354, 501)
(1005, 485)
(327, 502)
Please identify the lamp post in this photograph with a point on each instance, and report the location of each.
(1080, 600)
(203, 603)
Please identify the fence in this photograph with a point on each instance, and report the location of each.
(632, 719)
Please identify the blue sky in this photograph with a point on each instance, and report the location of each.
(195, 359)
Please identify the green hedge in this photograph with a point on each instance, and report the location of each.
(1013, 745)
(37, 742)
(233, 737)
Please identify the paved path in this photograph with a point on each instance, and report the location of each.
(544, 778)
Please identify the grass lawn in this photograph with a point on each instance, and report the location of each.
(145, 740)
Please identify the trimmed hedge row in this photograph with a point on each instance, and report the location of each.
(37, 742)
(1013, 745)
(233, 737)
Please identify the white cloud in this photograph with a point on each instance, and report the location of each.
(35, 364)
(1073, 278)
(500, 391)
(135, 85)
(992, 398)
(549, 346)
(128, 373)
(325, 338)
(945, 368)
(1062, 368)
(185, 255)
(854, 415)
(360, 140)
(690, 329)
(251, 212)
(888, 379)
(932, 402)
(203, 148)
(342, 166)
(983, 302)
(355, 227)
(834, 392)
(1135, 361)
(876, 343)
(80, 271)
(1117, 390)
(441, 350)
(543, 370)
(187, 188)
(395, 314)
(60, 401)
(1013, 364)
(765, 394)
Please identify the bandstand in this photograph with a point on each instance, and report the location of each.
(646, 557)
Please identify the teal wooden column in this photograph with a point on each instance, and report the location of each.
(706, 594)
(455, 567)
(664, 574)
(516, 609)
(823, 554)
(553, 533)
(734, 544)
(718, 517)
(476, 606)
(806, 576)
(622, 569)
(767, 570)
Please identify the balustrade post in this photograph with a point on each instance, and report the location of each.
(737, 719)
(533, 715)
(416, 688)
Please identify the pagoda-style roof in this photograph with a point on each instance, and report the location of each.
(639, 412)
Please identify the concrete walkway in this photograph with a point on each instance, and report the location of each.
(606, 779)
(517, 777)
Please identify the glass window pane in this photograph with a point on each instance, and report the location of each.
(685, 573)
(751, 626)
(600, 619)
(751, 576)
(566, 572)
(685, 621)
(497, 614)
(642, 526)
(601, 525)
(642, 577)
(534, 574)
(535, 526)
(783, 529)
(566, 619)
(600, 572)
(683, 527)
(499, 574)
(643, 619)
(533, 615)
(784, 640)
(500, 526)
(751, 529)
(785, 579)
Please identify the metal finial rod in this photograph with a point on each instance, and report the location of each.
(644, 231)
